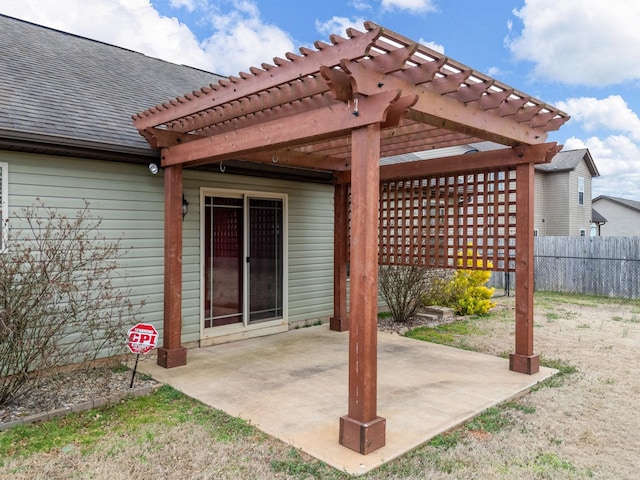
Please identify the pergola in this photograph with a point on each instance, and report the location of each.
(339, 109)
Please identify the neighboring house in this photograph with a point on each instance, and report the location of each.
(598, 221)
(563, 194)
(562, 189)
(623, 215)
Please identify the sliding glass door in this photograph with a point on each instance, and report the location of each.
(265, 259)
(243, 245)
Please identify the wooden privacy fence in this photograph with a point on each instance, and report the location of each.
(607, 266)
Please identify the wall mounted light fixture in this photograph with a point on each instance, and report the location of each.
(185, 207)
(154, 168)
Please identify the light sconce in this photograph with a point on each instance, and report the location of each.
(185, 207)
(154, 168)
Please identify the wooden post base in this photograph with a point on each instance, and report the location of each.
(528, 364)
(176, 357)
(363, 438)
(339, 324)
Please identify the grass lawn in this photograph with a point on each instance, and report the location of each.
(169, 435)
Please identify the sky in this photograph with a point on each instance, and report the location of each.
(581, 56)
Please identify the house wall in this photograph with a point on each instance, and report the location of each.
(580, 215)
(539, 210)
(556, 211)
(126, 197)
(621, 220)
(131, 202)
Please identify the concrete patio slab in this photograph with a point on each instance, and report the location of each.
(293, 386)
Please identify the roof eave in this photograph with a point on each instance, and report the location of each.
(60, 145)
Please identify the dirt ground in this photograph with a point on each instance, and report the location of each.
(588, 427)
(591, 422)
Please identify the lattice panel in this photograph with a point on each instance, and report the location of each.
(455, 221)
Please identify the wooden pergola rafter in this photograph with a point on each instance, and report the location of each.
(450, 97)
(338, 108)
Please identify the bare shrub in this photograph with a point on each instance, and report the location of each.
(60, 300)
(404, 288)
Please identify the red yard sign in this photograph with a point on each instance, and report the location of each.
(142, 338)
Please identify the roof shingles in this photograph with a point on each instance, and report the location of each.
(57, 84)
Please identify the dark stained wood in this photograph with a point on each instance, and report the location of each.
(340, 320)
(451, 95)
(298, 129)
(524, 360)
(446, 112)
(468, 162)
(340, 107)
(172, 354)
(261, 79)
(363, 316)
(295, 158)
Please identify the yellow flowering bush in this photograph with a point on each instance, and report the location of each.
(467, 291)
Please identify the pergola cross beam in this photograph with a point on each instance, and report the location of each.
(320, 123)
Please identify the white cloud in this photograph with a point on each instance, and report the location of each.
(618, 160)
(240, 38)
(580, 42)
(190, 5)
(617, 155)
(360, 4)
(613, 155)
(140, 26)
(611, 113)
(495, 72)
(339, 25)
(239, 46)
(411, 5)
(432, 45)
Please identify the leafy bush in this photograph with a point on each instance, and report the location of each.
(403, 288)
(58, 300)
(468, 293)
(463, 290)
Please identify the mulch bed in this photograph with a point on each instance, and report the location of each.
(68, 389)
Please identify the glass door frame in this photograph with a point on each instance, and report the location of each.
(245, 195)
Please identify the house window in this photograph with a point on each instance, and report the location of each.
(580, 190)
(583, 232)
(535, 232)
(4, 204)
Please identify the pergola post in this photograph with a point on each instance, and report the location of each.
(524, 360)
(172, 353)
(361, 429)
(340, 320)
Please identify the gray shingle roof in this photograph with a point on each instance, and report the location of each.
(80, 91)
(568, 160)
(597, 217)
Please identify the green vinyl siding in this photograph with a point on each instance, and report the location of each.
(128, 200)
(131, 203)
